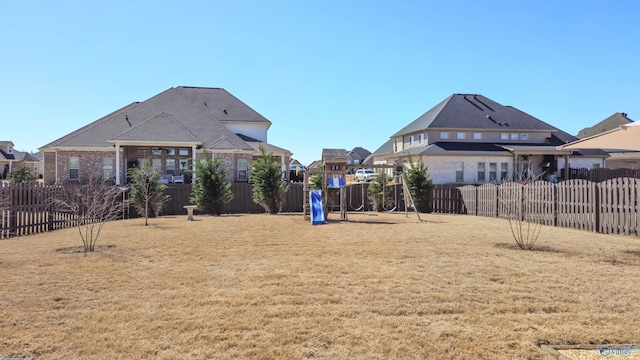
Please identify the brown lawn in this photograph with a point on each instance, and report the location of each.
(265, 287)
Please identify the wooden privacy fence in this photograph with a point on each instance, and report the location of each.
(242, 202)
(609, 207)
(27, 209)
(600, 174)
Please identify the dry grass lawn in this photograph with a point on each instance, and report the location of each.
(265, 287)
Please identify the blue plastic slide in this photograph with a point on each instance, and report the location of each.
(317, 212)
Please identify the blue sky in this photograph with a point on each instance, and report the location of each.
(328, 74)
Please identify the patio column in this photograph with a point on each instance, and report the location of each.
(193, 161)
(284, 167)
(117, 164)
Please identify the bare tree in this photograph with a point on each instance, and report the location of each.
(515, 200)
(147, 194)
(92, 205)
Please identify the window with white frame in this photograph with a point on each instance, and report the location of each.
(107, 168)
(477, 136)
(421, 139)
(459, 172)
(170, 166)
(504, 171)
(411, 139)
(243, 167)
(504, 136)
(524, 137)
(74, 168)
(515, 136)
(444, 135)
(482, 172)
(461, 136)
(156, 164)
(493, 172)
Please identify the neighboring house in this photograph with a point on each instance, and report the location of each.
(605, 125)
(171, 130)
(315, 165)
(379, 157)
(616, 159)
(357, 156)
(11, 159)
(470, 139)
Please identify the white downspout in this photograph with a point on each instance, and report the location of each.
(117, 164)
(56, 180)
(193, 161)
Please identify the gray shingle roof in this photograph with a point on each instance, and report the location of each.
(220, 104)
(182, 109)
(161, 127)
(474, 112)
(605, 125)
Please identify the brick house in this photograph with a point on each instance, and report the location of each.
(171, 130)
(470, 139)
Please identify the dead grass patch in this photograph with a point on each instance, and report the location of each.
(261, 286)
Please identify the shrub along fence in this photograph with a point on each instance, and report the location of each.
(242, 203)
(609, 207)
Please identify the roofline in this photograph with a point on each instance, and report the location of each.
(76, 148)
(154, 143)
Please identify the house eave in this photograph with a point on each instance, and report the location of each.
(154, 143)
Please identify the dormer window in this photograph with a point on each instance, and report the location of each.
(10, 149)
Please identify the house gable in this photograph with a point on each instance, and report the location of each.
(159, 128)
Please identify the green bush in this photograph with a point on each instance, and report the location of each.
(210, 190)
(269, 189)
(420, 185)
(380, 192)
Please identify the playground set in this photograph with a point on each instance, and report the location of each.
(334, 174)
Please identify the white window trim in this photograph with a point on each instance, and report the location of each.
(477, 136)
(444, 135)
(70, 168)
(411, 140)
(504, 136)
(421, 139)
(524, 137)
(515, 136)
(461, 136)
